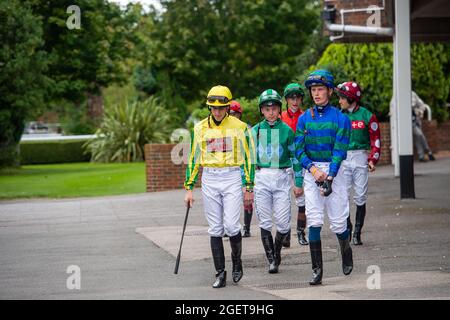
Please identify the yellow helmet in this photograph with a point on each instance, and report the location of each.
(219, 96)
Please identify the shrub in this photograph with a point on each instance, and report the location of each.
(126, 128)
(62, 151)
(371, 66)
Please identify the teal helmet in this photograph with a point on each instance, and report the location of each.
(270, 97)
(292, 88)
(320, 77)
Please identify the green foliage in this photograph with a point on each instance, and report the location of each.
(126, 128)
(250, 110)
(429, 77)
(144, 80)
(116, 94)
(83, 61)
(312, 53)
(39, 152)
(246, 45)
(86, 59)
(371, 66)
(22, 80)
(170, 99)
(76, 121)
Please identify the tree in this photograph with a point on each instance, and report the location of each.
(247, 45)
(22, 80)
(84, 60)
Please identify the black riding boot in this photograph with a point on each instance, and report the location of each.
(280, 239)
(349, 228)
(360, 215)
(301, 225)
(316, 259)
(267, 241)
(287, 240)
(219, 262)
(247, 222)
(236, 250)
(347, 256)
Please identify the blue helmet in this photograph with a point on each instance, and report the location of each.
(320, 77)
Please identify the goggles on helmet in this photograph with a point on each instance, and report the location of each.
(317, 77)
(220, 99)
(294, 95)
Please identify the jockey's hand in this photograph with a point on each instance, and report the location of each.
(298, 192)
(189, 199)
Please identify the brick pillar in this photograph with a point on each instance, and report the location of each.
(162, 172)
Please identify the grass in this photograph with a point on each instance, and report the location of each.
(72, 180)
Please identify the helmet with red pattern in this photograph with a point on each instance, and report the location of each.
(350, 90)
(235, 106)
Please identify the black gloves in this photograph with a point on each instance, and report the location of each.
(325, 186)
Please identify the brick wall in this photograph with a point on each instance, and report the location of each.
(434, 134)
(430, 129)
(162, 172)
(165, 174)
(361, 18)
(443, 138)
(385, 130)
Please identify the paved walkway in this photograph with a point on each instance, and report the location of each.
(125, 247)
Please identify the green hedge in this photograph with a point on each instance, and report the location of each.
(38, 152)
(371, 66)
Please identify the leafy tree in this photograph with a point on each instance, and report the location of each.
(264, 41)
(247, 45)
(85, 60)
(22, 80)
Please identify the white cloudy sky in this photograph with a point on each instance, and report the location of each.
(143, 2)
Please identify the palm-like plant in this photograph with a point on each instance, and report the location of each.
(126, 128)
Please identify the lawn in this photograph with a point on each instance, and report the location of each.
(72, 180)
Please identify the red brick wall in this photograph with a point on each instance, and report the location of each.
(385, 129)
(431, 132)
(164, 174)
(443, 136)
(360, 18)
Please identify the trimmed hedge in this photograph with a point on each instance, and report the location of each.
(371, 66)
(39, 152)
